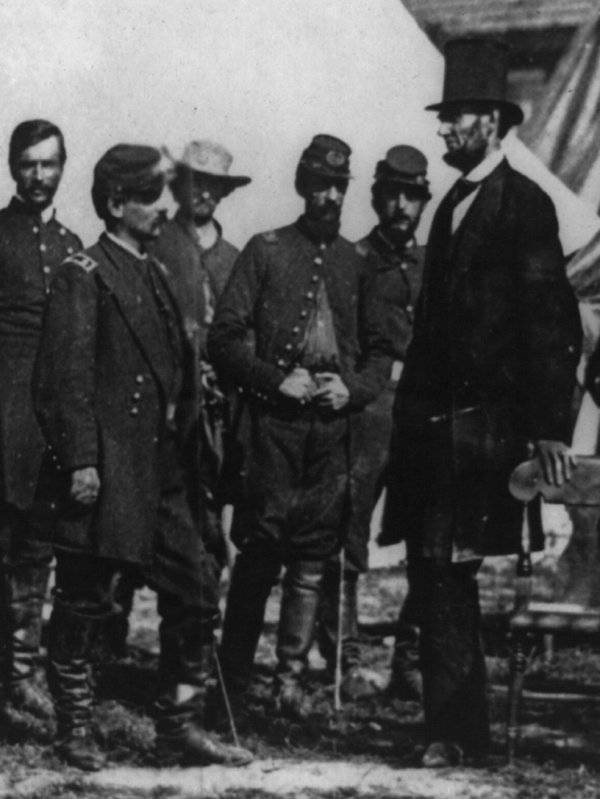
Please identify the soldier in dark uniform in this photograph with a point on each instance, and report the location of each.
(489, 372)
(199, 260)
(32, 245)
(112, 376)
(321, 355)
(400, 193)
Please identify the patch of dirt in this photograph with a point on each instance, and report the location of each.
(367, 749)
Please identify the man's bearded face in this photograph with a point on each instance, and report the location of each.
(399, 208)
(467, 134)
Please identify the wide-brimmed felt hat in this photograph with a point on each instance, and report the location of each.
(211, 158)
(406, 166)
(327, 156)
(476, 73)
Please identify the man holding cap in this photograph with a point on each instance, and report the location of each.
(400, 193)
(199, 261)
(112, 375)
(491, 368)
(321, 355)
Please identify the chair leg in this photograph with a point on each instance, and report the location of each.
(518, 667)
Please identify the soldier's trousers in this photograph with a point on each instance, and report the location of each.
(297, 485)
(452, 661)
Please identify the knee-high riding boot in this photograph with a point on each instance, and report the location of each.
(297, 622)
(252, 580)
(25, 590)
(187, 657)
(72, 635)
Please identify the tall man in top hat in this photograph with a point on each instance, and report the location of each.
(321, 355)
(199, 260)
(400, 193)
(32, 245)
(112, 375)
(491, 368)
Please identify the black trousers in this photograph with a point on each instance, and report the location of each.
(23, 538)
(445, 600)
(296, 487)
(182, 573)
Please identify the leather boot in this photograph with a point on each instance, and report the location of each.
(181, 735)
(252, 580)
(406, 681)
(25, 587)
(328, 618)
(297, 621)
(70, 645)
(357, 682)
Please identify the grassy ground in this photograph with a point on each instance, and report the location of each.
(558, 756)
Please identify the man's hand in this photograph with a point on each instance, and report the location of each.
(298, 385)
(85, 485)
(332, 392)
(557, 461)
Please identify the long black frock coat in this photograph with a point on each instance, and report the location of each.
(104, 377)
(491, 368)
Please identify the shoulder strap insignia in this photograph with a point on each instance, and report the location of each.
(161, 267)
(82, 260)
(270, 237)
(361, 249)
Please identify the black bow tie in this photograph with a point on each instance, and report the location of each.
(461, 189)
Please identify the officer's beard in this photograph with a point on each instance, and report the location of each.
(397, 234)
(323, 222)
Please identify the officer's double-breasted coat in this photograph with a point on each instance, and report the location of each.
(273, 292)
(491, 368)
(106, 376)
(30, 253)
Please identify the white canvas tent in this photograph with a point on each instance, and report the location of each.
(262, 76)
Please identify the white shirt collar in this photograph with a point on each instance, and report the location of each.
(47, 214)
(125, 246)
(485, 167)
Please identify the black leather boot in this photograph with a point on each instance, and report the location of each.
(25, 587)
(356, 684)
(187, 661)
(252, 580)
(406, 681)
(297, 621)
(70, 645)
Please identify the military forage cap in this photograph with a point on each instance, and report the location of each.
(327, 156)
(129, 167)
(406, 166)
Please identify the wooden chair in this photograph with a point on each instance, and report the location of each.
(526, 483)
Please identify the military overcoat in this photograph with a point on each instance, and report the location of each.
(399, 273)
(105, 375)
(30, 253)
(491, 367)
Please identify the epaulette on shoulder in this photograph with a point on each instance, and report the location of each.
(270, 237)
(83, 261)
(361, 249)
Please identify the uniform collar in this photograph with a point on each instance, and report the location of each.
(46, 215)
(123, 244)
(386, 248)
